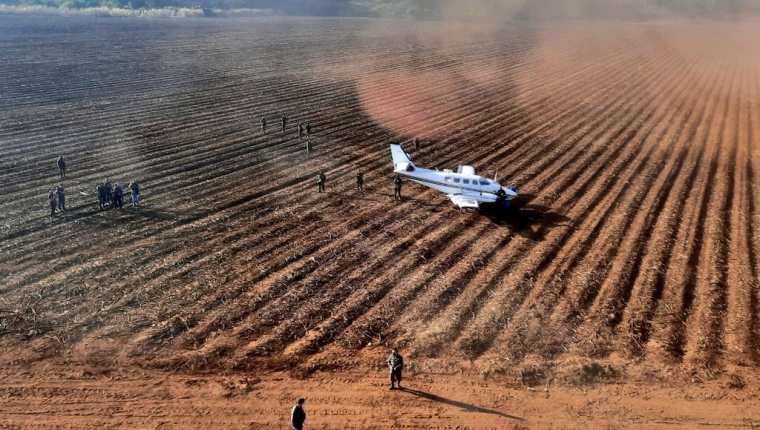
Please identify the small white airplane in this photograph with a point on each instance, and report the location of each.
(465, 189)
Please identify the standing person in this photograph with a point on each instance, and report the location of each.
(360, 182)
(416, 144)
(53, 200)
(135, 188)
(298, 415)
(300, 129)
(118, 196)
(61, 198)
(395, 366)
(263, 125)
(308, 145)
(321, 179)
(108, 192)
(101, 198)
(308, 129)
(61, 167)
(284, 122)
(397, 182)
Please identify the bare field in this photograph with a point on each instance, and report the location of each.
(632, 252)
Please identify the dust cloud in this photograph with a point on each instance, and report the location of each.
(453, 66)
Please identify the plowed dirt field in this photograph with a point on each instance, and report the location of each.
(632, 252)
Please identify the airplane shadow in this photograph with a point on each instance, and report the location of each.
(525, 219)
(465, 406)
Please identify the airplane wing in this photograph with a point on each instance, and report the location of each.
(464, 202)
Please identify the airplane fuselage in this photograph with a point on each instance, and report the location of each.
(463, 187)
(454, 183)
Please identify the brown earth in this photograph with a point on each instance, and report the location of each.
(87, 398)
(631, 254)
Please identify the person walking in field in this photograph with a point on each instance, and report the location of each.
(321, 179)
(61, 198)
(308, 146)
(284, 122)
(397, 182)
(135, 188)
(263, 125)
(360, 182)
(61, 167)
(395, 367)
(298, 415)
(53, 200)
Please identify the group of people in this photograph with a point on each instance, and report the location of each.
(112, 195)
(397, 184)
(57, 195)
(395, 367)
(304, 128)
(109, 195)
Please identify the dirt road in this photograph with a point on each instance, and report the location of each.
(80, 398)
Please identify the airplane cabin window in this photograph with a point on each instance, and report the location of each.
(456, 180)
(466, 181)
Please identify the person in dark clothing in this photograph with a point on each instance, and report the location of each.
(397, 182)
(263, 125)
(61, 167)
(118, 196)
(360, 182)
(298, 415)
(61, 198)
(53, 200)
(108, 192)
(300, 130)
(308, 129)
(284, 122)
(416, 144)
(135, 188)
(101, 196)
(321, 179)
(395, 366)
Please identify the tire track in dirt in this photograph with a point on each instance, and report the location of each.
(526, 332)
(606, 312)
(704, 339)
(740, 268)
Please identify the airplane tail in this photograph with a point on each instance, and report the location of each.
(401, 160)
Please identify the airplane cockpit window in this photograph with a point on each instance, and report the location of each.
(483, 182)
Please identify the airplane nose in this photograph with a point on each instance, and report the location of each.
(508, 192)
